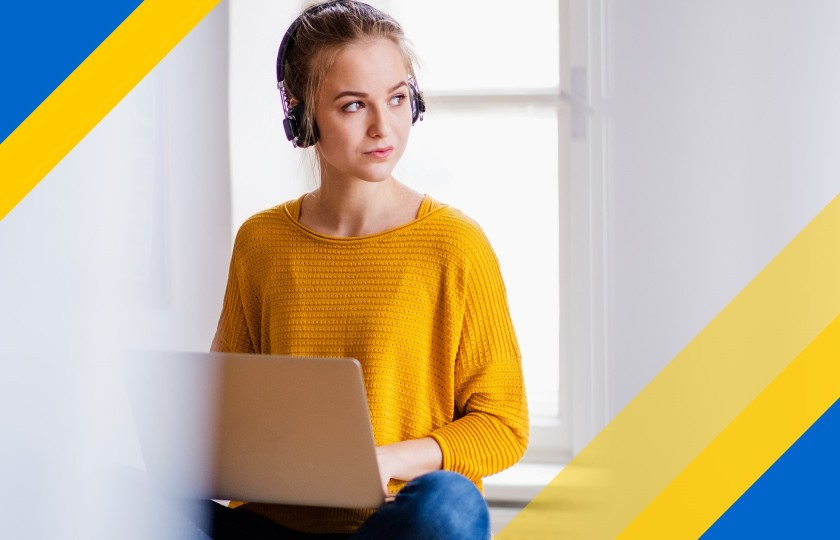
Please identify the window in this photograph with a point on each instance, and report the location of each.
(491, 145)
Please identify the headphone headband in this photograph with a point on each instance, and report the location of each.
(295, 122)
(288, 38)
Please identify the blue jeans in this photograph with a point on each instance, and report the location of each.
(440, 505)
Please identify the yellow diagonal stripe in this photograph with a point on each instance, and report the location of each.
(93, 89)
(739, 353)
(748, 446)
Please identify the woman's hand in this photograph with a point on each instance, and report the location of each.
(407, 460)
(388, 466)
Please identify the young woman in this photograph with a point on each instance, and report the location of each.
(366, 267)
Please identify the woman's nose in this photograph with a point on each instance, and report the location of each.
(379, 126)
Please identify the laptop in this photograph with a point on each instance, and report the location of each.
(257, 428)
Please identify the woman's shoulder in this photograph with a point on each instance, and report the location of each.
(444, 214)
(267, 222)
(452, 227)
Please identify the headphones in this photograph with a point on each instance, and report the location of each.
(295, 123)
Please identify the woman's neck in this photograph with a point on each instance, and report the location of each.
(347, 209)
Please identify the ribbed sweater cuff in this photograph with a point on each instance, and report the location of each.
(476, 446)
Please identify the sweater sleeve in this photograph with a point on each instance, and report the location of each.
(233, 333)
(490, 432)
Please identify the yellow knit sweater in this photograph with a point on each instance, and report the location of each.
(422, 307)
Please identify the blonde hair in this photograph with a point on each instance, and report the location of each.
(322, 30)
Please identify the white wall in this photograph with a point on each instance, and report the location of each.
(124, 244)
(721, 125)
(265, 169)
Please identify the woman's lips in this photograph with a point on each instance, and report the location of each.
(381, 152)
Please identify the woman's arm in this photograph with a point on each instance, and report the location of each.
(490, 429)
(232, 332)
(216, 346)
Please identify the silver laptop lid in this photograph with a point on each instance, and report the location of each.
(256, 428)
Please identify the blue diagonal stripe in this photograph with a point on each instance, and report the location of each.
(42, 42)
(798, 496)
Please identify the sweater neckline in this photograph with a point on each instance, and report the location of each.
(428, 206)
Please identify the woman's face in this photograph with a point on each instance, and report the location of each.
(364, 112)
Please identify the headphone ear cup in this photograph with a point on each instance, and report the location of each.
(290, 126)
(418, 104)
(298, 125)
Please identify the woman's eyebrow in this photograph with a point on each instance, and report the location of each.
(351, 93)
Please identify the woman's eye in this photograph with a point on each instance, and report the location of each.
(352, 107)
(396, 100)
